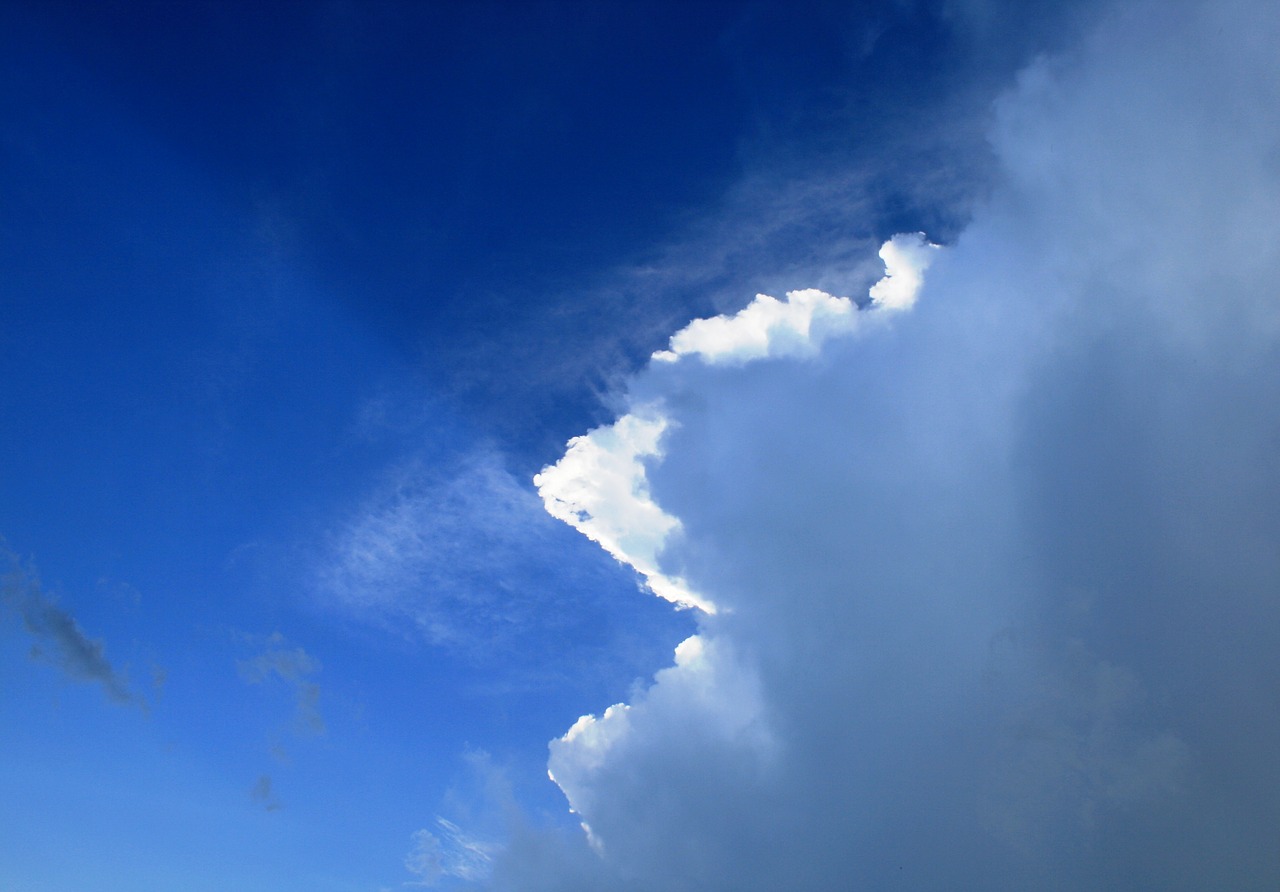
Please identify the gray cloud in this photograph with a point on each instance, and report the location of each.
(262, 794)
(294, 666)
(59, 640)
(996, 578)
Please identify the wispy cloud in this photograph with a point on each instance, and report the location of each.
(460, 554)
(262, 794)
(448, 548)
(294, 667)
(898, 145)
(448, 852)
(59, 640)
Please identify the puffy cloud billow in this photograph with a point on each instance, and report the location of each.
(985, 564)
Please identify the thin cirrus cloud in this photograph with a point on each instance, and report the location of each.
(460, 554)
(431, 546)
(994, 572)
(449, 852)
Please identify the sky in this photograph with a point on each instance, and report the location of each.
(642, 447)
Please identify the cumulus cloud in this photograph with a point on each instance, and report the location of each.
(599, 487)
(59, 640)
(992, 557)
(295, 667)
(798, 326)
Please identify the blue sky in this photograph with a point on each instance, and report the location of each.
(369, 368)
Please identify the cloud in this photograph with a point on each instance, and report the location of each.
(59, 640)
(159, 678)
(294, 666)
(449, 852)
(445, 546)
(993, 557)
(262, 794)
(459, 553)
(890, 143)
(599, 487)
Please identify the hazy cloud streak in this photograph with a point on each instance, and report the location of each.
(59, 640)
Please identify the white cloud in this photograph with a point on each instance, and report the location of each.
(905, 259)
(797, 327)
(599, 486)
(765, 327)
(995, 583)
(449, 852)
(451, 549)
